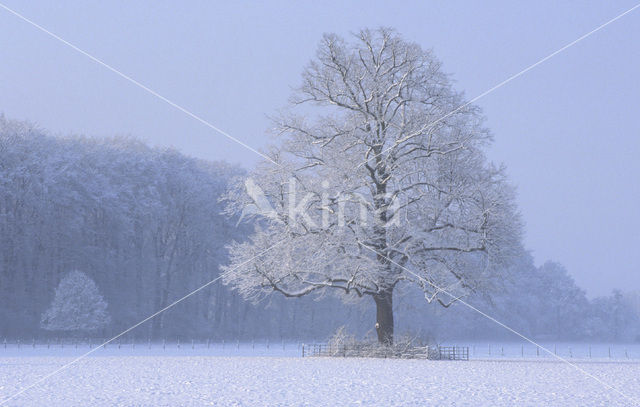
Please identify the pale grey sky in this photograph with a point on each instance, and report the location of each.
(568, 130)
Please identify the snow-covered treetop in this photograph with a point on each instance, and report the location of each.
(77, 306)
(380, 169)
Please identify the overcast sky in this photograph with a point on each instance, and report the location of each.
(568, 130)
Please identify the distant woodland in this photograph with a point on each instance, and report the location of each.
(146, 225)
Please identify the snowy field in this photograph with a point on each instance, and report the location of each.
(477, 351)
(196, 380)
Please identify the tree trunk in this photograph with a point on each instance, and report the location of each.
(384, 317)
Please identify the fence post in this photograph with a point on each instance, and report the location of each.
(609, 352)
(164, 343)
(302, 350)
(537, 351)
(570, 352)
(178, 342)
(192, 344)
(522, 350)
(589, 351)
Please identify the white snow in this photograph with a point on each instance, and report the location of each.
(290, 381)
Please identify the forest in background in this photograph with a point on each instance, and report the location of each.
(146, 225)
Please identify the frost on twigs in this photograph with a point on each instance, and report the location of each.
(382, 181)
(341, 338)
(344, 344)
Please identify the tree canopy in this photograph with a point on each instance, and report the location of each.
(381, 170)
(76, 306)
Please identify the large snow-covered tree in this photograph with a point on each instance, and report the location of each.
(77, 306)
(379, 171)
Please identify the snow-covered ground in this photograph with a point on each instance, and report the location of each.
(478, 351)
(109, 380)
(188, 348)
(566, 350)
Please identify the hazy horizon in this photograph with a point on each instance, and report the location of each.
(566, 130)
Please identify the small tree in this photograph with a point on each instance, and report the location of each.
(76, 306)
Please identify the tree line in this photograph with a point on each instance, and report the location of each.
(146, 225)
